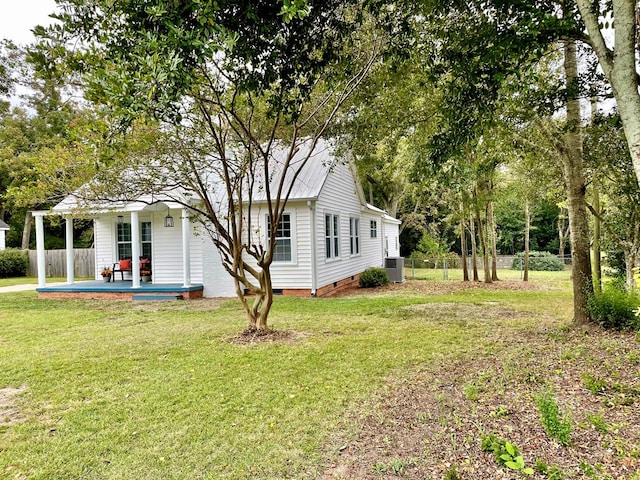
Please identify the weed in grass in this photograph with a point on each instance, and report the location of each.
(423, 416)
(554, 422)
(396, 466)
(596, 386)
(550, 471)
(501, 411)
(471, 392)
(506, 453)
(451, 474)
(597, 422)
(633, 358)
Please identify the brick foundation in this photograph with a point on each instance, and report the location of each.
(190, 295)
(327, 290)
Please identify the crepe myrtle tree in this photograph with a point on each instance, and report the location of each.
(239, 93)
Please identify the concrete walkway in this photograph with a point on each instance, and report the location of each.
(26, 287)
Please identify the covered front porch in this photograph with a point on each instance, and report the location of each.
(128, 232)
(121, 290)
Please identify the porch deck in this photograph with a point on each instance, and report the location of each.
(120, 290)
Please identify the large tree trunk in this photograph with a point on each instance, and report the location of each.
(619, 66)
(26, 231)
(474, 249)
(463, 246)
(575, 190)
(527, 230)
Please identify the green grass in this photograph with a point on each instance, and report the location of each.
(115, 390)
(552, 279)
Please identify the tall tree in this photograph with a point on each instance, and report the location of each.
(242, 91)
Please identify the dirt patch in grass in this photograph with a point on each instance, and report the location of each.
(440, 288)
(252, 336)
(9, 412)
(432, 424)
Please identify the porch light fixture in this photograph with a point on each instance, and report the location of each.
(120, 219)
(168, 220)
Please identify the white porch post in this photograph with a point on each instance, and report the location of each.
(69, 245)
(135, 249)
(186, 248)
(42, 267)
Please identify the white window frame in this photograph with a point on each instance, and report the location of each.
(129, 242)
(354, 236)
(373, 228)
(118, 227)
(332, 236)
(291, 238)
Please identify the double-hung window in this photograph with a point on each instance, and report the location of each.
(123, 241)
(284, 246)
(354, 235)
(332, 235)
(145, 239)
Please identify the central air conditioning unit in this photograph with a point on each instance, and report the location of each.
(395, 268)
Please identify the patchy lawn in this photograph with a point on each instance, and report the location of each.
(400, 381)
(430, 425)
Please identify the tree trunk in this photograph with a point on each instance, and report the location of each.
(463, 246)
(575, 190)
(630, 258)
(262, 299)
(482, 233)
(527, 230)
(597, 254)
(619, 66)
(563, 233)
(494, 249)
(26, 231)
(597, 265)
(474, 249)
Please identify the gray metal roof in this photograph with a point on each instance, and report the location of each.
(3, 226)
(313, 175)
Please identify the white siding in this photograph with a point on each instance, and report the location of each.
(339, 196)
(217, 281)
(392, 239)
(104, 228)
(297, 273)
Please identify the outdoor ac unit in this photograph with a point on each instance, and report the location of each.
(395, 268)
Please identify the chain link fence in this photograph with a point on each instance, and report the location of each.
(503, 262)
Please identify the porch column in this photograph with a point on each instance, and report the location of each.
(135, 249)
(42, 267)
(186, 248)
(69, 245)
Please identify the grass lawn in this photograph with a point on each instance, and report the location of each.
(114, 390)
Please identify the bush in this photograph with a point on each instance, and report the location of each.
(373, 277)
(614, 308)
(539, 261)
(13, 263)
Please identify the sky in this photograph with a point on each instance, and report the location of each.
(18, 17)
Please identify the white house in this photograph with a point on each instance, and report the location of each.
(3, 229)
(329, 235)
